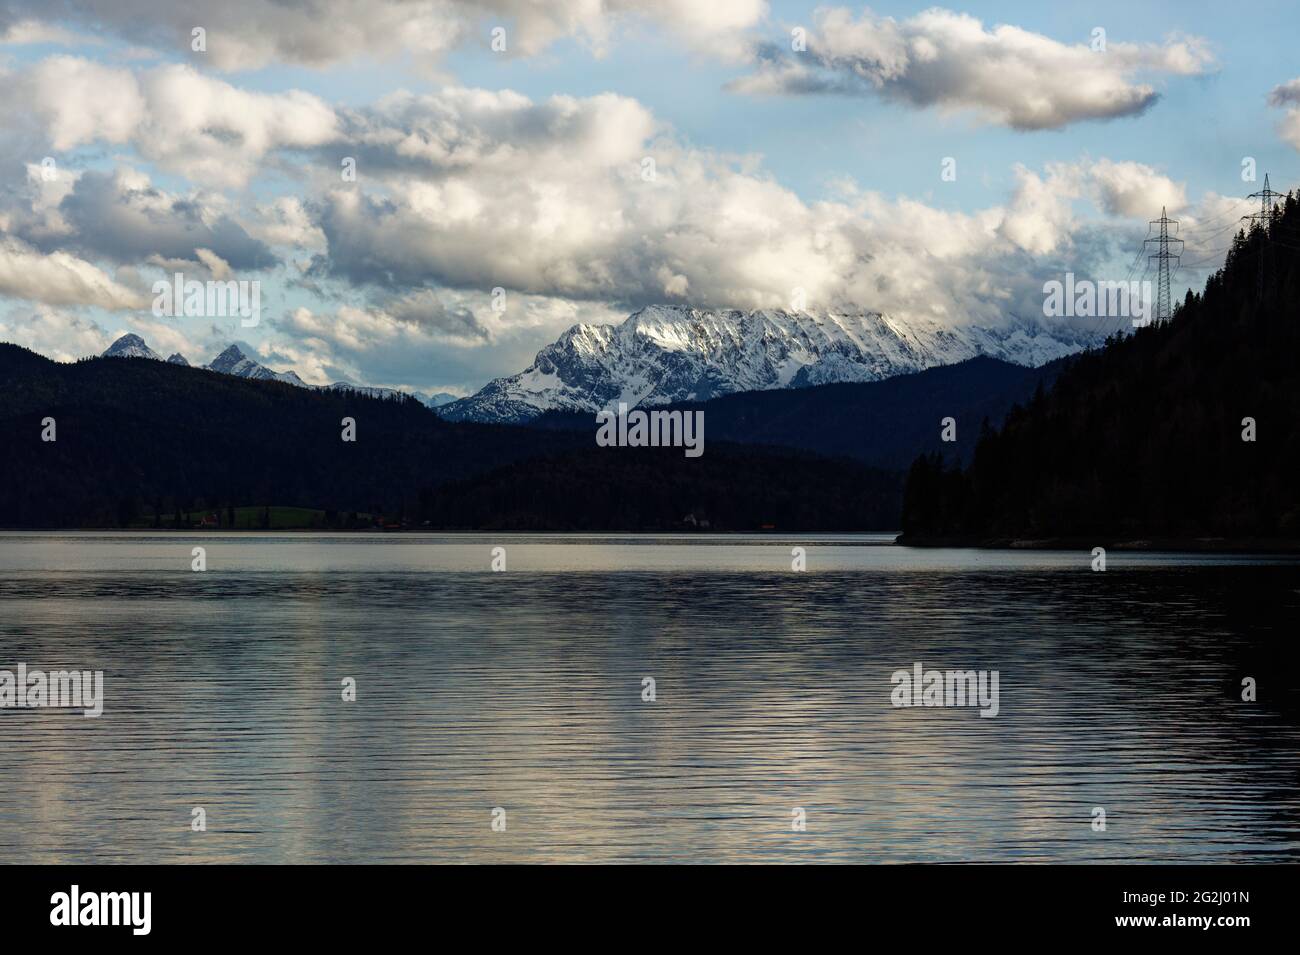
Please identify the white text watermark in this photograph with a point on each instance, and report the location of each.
(56, 690)
(651, 429)
(212, 299)
(1084, 298)
(922, 687)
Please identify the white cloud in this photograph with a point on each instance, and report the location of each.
(1039, 217)
(458, 129)
(430, 341)
(58, 278)
(472, 190)
(212, 132)
(24, 32)
(285, 221)
(249, 34)
(200, 127)
(66, 334)
(421, 316)
(1007, 75)
(81, 101)
(56, 333)
(216, 266)
(1137, 190)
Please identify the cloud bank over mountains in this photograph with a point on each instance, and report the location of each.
(481, 222)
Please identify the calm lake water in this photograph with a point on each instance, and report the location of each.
(523, 690)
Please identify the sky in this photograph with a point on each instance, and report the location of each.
(524, 166)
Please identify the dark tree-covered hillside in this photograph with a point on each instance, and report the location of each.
(144, 441)
(137, 437)
(1144, 438)
(729, 488)
(883, 424)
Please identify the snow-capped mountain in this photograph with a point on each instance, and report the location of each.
(131, 346)
(673, 353)
(345, 385)
(236, 360)
(429, 401)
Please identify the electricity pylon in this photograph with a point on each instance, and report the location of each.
(1264, 218)
(1163, 256)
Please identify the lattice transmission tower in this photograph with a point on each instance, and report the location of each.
(1264, 218)
(1163, 256)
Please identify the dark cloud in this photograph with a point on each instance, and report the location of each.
(122, 219)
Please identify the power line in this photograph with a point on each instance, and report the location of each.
(1266, 219)
(1210, 257)
(1234, 224)
(1231, 216)
(1137, 258)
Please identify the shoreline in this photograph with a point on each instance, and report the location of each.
(1190, 545)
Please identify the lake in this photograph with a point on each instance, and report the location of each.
(523, 690)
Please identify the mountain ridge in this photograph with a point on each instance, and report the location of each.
(142, 442)
(235, 360)
(662, 354)
(882, 424)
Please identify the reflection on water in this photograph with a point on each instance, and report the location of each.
(522, 690)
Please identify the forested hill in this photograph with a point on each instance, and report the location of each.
(146, 443)
(135, 437)
(882, 424)
(1144, 438)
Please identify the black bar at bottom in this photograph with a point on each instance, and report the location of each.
(334, 904)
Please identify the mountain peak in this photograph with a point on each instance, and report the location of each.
(236, 360)
(130, 346)
(232, 353)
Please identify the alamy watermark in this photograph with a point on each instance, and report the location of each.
(211, 299)
(75, 907)
(1084, 298)
(57, 690)
(922, 687)
(651, 429)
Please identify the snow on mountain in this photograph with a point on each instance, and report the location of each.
(362, 389)
(674, 353)
(131, 346)
(235, 361)
(429, 401)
